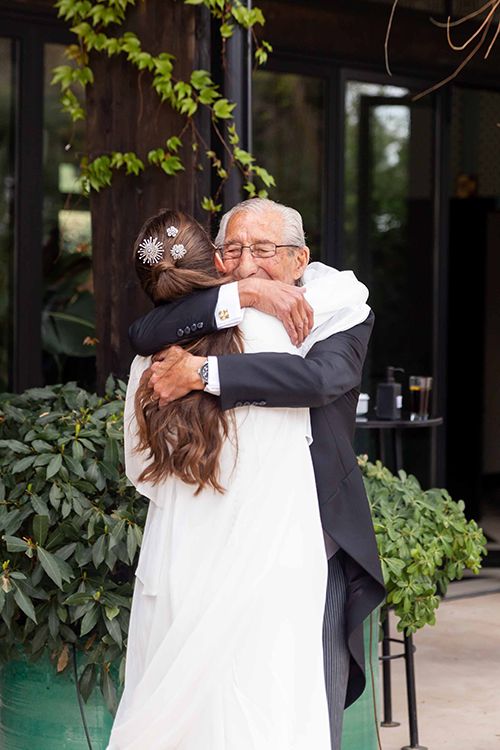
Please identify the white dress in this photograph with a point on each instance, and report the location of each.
(225, 638)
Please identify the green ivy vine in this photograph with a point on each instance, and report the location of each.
(90, 22)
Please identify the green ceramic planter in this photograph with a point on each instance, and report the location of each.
(360, 727)
(39, 710)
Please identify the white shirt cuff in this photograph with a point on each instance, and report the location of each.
(213, 385)
(228, 311)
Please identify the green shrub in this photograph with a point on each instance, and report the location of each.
(424, 541)
(71, 526)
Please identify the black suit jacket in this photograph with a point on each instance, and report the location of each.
(327, 381)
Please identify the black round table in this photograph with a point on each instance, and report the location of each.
(395, 427)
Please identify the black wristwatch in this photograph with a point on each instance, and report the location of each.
(203, 372)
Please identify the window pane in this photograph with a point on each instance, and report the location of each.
(388, 230)
(289, 140)
(7, 88)
(68, 303)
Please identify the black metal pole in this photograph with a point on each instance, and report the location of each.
(386, 673)
(412, 695)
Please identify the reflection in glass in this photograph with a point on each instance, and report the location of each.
(388, 210)
(7, 88)
(289, 141)
(68, 318)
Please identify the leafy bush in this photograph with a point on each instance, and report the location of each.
(71, 526)
(424, 541)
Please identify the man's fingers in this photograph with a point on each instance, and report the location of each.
(290, 329)
(298, 323)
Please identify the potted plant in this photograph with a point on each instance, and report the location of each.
(71, 526)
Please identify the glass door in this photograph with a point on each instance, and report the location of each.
(388, 220)
(388, 229)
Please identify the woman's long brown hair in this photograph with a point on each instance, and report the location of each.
(183, 438)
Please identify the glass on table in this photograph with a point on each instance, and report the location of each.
(420, 393)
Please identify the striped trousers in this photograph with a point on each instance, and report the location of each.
(336, 653)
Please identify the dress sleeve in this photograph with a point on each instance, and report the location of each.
(134, 459)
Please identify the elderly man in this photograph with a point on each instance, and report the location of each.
(261, 245)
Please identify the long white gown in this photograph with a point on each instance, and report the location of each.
(225, 638)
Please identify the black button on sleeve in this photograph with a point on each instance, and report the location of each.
(180, 332)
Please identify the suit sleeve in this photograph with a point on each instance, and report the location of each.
(188, 318)
(332, 367)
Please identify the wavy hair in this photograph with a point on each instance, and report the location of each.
(183, 438)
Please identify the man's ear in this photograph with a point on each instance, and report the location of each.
(301, 261)
(219, 263)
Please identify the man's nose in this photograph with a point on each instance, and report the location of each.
(246, 265)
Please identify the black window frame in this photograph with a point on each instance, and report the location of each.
(30, 31)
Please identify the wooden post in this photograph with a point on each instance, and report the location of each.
(125, 114)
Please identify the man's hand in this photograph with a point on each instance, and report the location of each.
(175, 373)
(283, 301)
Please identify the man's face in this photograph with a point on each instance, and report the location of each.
(287, 265)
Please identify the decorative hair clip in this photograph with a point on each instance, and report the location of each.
(150, 250)
(172, 232)
(178, 251)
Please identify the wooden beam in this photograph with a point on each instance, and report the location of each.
(125, 114)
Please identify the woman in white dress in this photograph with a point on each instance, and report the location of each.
(225, 640)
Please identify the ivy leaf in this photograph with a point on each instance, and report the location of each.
(200, 79)
(226, 30)
(174, 143)
(223, 109)
(172, 164)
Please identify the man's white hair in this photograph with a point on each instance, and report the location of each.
(293, 229)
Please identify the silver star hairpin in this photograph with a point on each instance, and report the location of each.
(150, 250)
(172, 232)
(178, 251)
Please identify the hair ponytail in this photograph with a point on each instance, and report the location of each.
(183, 438)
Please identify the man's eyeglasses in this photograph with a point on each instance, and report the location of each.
(233, 251)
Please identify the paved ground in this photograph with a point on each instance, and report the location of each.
(458, 673)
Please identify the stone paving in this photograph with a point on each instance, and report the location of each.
(458, 673)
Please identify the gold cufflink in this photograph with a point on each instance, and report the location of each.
(223, 314)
